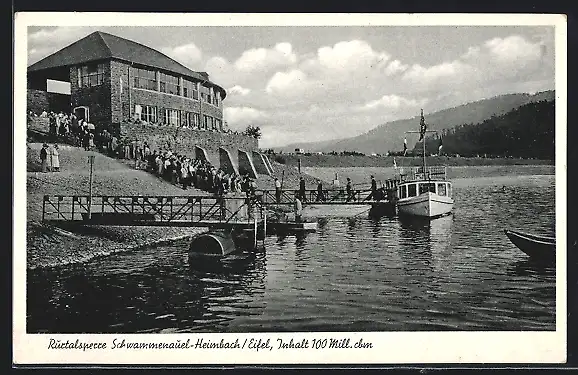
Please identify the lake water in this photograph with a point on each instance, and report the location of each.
(454, 273)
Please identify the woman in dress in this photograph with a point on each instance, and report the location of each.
(55, 159)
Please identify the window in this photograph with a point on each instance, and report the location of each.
(442, 189)
(189, 119)
(171, 117)
(147, 113)
(145, 79)
(190, 89)
(426, 187)
(196, 121)
(403, 191)
(208, 123)
(411, 191)
(90, 75)
(206, 95)
(216, 99)
(449, 190)
(218, 124)
(169, 84)
(185, 119)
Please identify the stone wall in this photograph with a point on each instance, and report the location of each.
(41, 124)
(36, 101)
(184, 140)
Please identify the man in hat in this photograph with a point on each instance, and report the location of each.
(302, 189)
(43, 158)
(349, 190)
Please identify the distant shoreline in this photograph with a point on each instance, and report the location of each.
(337, 161)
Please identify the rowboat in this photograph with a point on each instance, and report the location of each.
(536, 247)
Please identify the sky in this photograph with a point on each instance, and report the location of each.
(314, 83)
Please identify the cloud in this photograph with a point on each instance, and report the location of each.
(238, 90)
(420, 74)
(513, 48)
(350, 55)
(257, 59)
(58, 35)
(239, 117)
(187, 54)
(286, 82)
(392, 102)
(395, 67)
(498, 61)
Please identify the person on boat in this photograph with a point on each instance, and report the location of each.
(298, 210)
(349, 190)
(302, 188)
(277, 190)
(320, 197)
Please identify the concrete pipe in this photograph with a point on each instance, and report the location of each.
(213, 243)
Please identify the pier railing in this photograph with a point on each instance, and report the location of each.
(151, 210)
(418, 173)
(328, 197)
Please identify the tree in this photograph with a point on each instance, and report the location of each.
(253, 131)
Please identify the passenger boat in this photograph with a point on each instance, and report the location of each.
(424, 191)
(536, 247)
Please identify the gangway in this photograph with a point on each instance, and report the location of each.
(170, 211)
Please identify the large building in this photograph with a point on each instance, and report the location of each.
(115, 80)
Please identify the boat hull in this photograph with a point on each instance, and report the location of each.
(428, 205)
(536, 247)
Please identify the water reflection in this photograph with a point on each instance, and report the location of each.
(300, 240)
(531, 267)
(421, 249)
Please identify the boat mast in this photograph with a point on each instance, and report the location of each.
(422, 119)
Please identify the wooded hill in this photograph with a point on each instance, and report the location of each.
(389, 136)
(527, 132)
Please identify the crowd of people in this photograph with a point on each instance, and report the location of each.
(68, 127)
(180, 170)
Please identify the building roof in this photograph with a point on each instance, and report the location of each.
(101, 46)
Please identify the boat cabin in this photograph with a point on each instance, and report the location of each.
(416, 188)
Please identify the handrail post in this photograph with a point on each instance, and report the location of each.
(91, 160)
(44, 206)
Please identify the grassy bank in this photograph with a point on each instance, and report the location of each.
(387, 161)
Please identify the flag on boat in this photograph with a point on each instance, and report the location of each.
(404, 146)
(422, 127)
